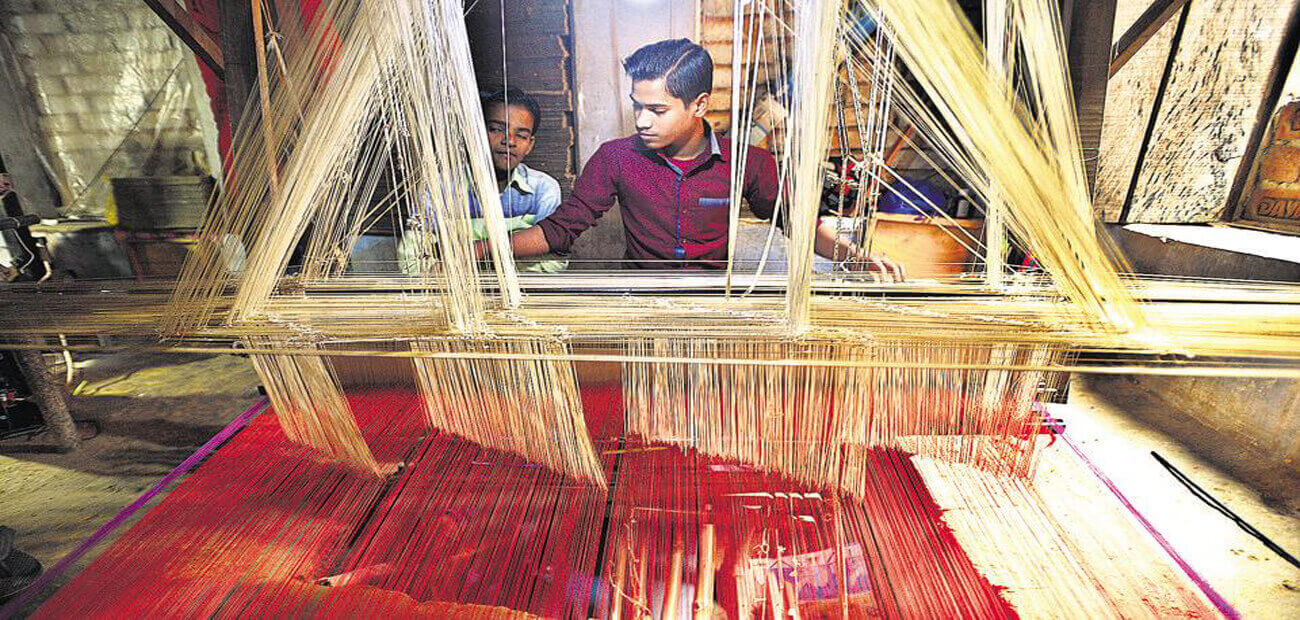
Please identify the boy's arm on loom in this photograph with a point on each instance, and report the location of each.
(530, 241)
(524, 243)
(761, 192)
(593, 194)
(829, 243)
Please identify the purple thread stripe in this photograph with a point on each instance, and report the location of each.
(11, 608)
(1222, 604)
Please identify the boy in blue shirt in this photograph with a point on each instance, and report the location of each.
(512, 119)
(528, 195)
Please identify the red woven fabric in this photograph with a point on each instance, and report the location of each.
(251, 531)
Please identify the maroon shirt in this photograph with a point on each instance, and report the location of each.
(674, 211)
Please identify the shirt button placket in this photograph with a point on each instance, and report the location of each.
(679, 252)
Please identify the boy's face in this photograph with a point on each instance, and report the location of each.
(662, 120)
(510, 134)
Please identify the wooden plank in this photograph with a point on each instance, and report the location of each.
(537, 49)
(523, 19)
(1213, 100)
(720, 47)
(552, 118)
(180, 21)
(726, 8)
(535, 46)
(535, 75)
(1143, 29)
(1129, 98)
(1162, 88)
(720, 28)
(1090, 27)
(237, 58)
(724, 68)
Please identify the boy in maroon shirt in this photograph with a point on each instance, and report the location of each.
(673, 177)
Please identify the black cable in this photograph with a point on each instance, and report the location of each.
(1223, 509)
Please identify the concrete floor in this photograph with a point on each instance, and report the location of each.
(157, 410)
(1258, 583)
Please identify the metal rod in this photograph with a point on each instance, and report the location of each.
(1182, 370)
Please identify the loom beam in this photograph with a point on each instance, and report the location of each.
(180, 21)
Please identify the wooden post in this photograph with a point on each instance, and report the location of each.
(237, 58)
(642, 601)
(841, 559)
(264, 92)
(180, 21)
(673, 586)
(1088, 52)
(705, 571)
(50, 396)
(616, 584)
(1144, 27)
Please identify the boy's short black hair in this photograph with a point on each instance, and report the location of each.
(686, 67)
(513, 96)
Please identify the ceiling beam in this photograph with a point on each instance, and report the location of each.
(1144, 27)
(180, 21)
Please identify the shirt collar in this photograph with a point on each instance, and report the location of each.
(715, 145)
(519, 179)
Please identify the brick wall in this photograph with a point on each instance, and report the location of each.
(91, 69)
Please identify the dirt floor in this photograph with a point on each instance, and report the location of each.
(157, 410)
(153, 412)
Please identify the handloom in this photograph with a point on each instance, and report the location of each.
(772, 444)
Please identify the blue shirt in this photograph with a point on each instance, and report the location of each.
(529, 192)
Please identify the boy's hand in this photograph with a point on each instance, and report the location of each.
(885, 269)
